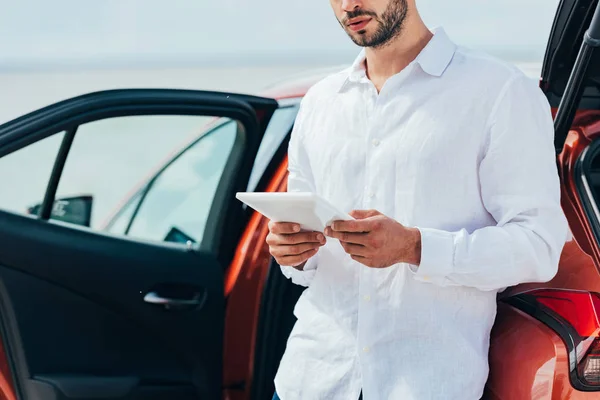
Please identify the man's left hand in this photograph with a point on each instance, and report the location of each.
(377, 241)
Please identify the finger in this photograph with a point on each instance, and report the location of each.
(295, 238)
(355, 249)
(359, 225)
(284, 227)
(362, 214)
(363, 260)
(349, 237)
(302, 237)
(296, 259)
(295, 249)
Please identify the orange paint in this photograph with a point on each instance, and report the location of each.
(244, 285)
(528, 361)
(7, 389)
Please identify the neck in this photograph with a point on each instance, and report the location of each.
(394, 56)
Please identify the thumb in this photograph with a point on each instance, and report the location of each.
(362, 214)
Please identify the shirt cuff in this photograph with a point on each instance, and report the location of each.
(301, 277)
(437, 255)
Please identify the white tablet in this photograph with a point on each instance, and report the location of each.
(310, 210)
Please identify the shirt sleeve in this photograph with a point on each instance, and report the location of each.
(520, 188)
(300, 179)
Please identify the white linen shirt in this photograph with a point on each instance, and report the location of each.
(460, 146)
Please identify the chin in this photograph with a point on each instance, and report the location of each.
(359, 36)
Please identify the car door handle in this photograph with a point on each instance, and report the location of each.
(172, 303)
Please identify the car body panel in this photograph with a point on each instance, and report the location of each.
(7, 385)
(515, 374)
(244, 286)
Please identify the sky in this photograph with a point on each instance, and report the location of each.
(38, 33)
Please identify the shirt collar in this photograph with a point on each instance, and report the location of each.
(437, 55)
(433, 59)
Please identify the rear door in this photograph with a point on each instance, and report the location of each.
(88, 313)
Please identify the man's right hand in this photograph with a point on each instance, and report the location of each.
(289, 246)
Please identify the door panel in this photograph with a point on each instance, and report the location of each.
(88, 314)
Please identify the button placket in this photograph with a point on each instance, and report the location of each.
(364, 298)
(370, 99)
(369, 193)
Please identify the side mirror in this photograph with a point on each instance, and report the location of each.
(75, 210)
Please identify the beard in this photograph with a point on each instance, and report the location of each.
(390, 24)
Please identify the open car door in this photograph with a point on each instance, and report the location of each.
(93, 314)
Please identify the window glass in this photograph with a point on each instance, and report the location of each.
(150, 177)
(177, 204)
(24, 174)
(110, 158)
(148, 220)
(279, 126)
(120, 221)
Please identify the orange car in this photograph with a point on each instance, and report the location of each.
(200, 310)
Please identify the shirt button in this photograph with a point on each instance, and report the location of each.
(367, 297)
(376, 142)
(366, 349)
(371, 195)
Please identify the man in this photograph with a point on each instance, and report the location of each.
(446, 159)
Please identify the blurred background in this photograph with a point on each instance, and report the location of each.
(50, 50)
(54, 50)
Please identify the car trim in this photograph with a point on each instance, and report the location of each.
(584, 190)
(289, 102)
(527, 303)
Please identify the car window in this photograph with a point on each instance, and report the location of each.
(24, 174)
(176, 205)
(173, 165)
(279, 127)
(109, 158)
(185, 221)
(119, 223)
